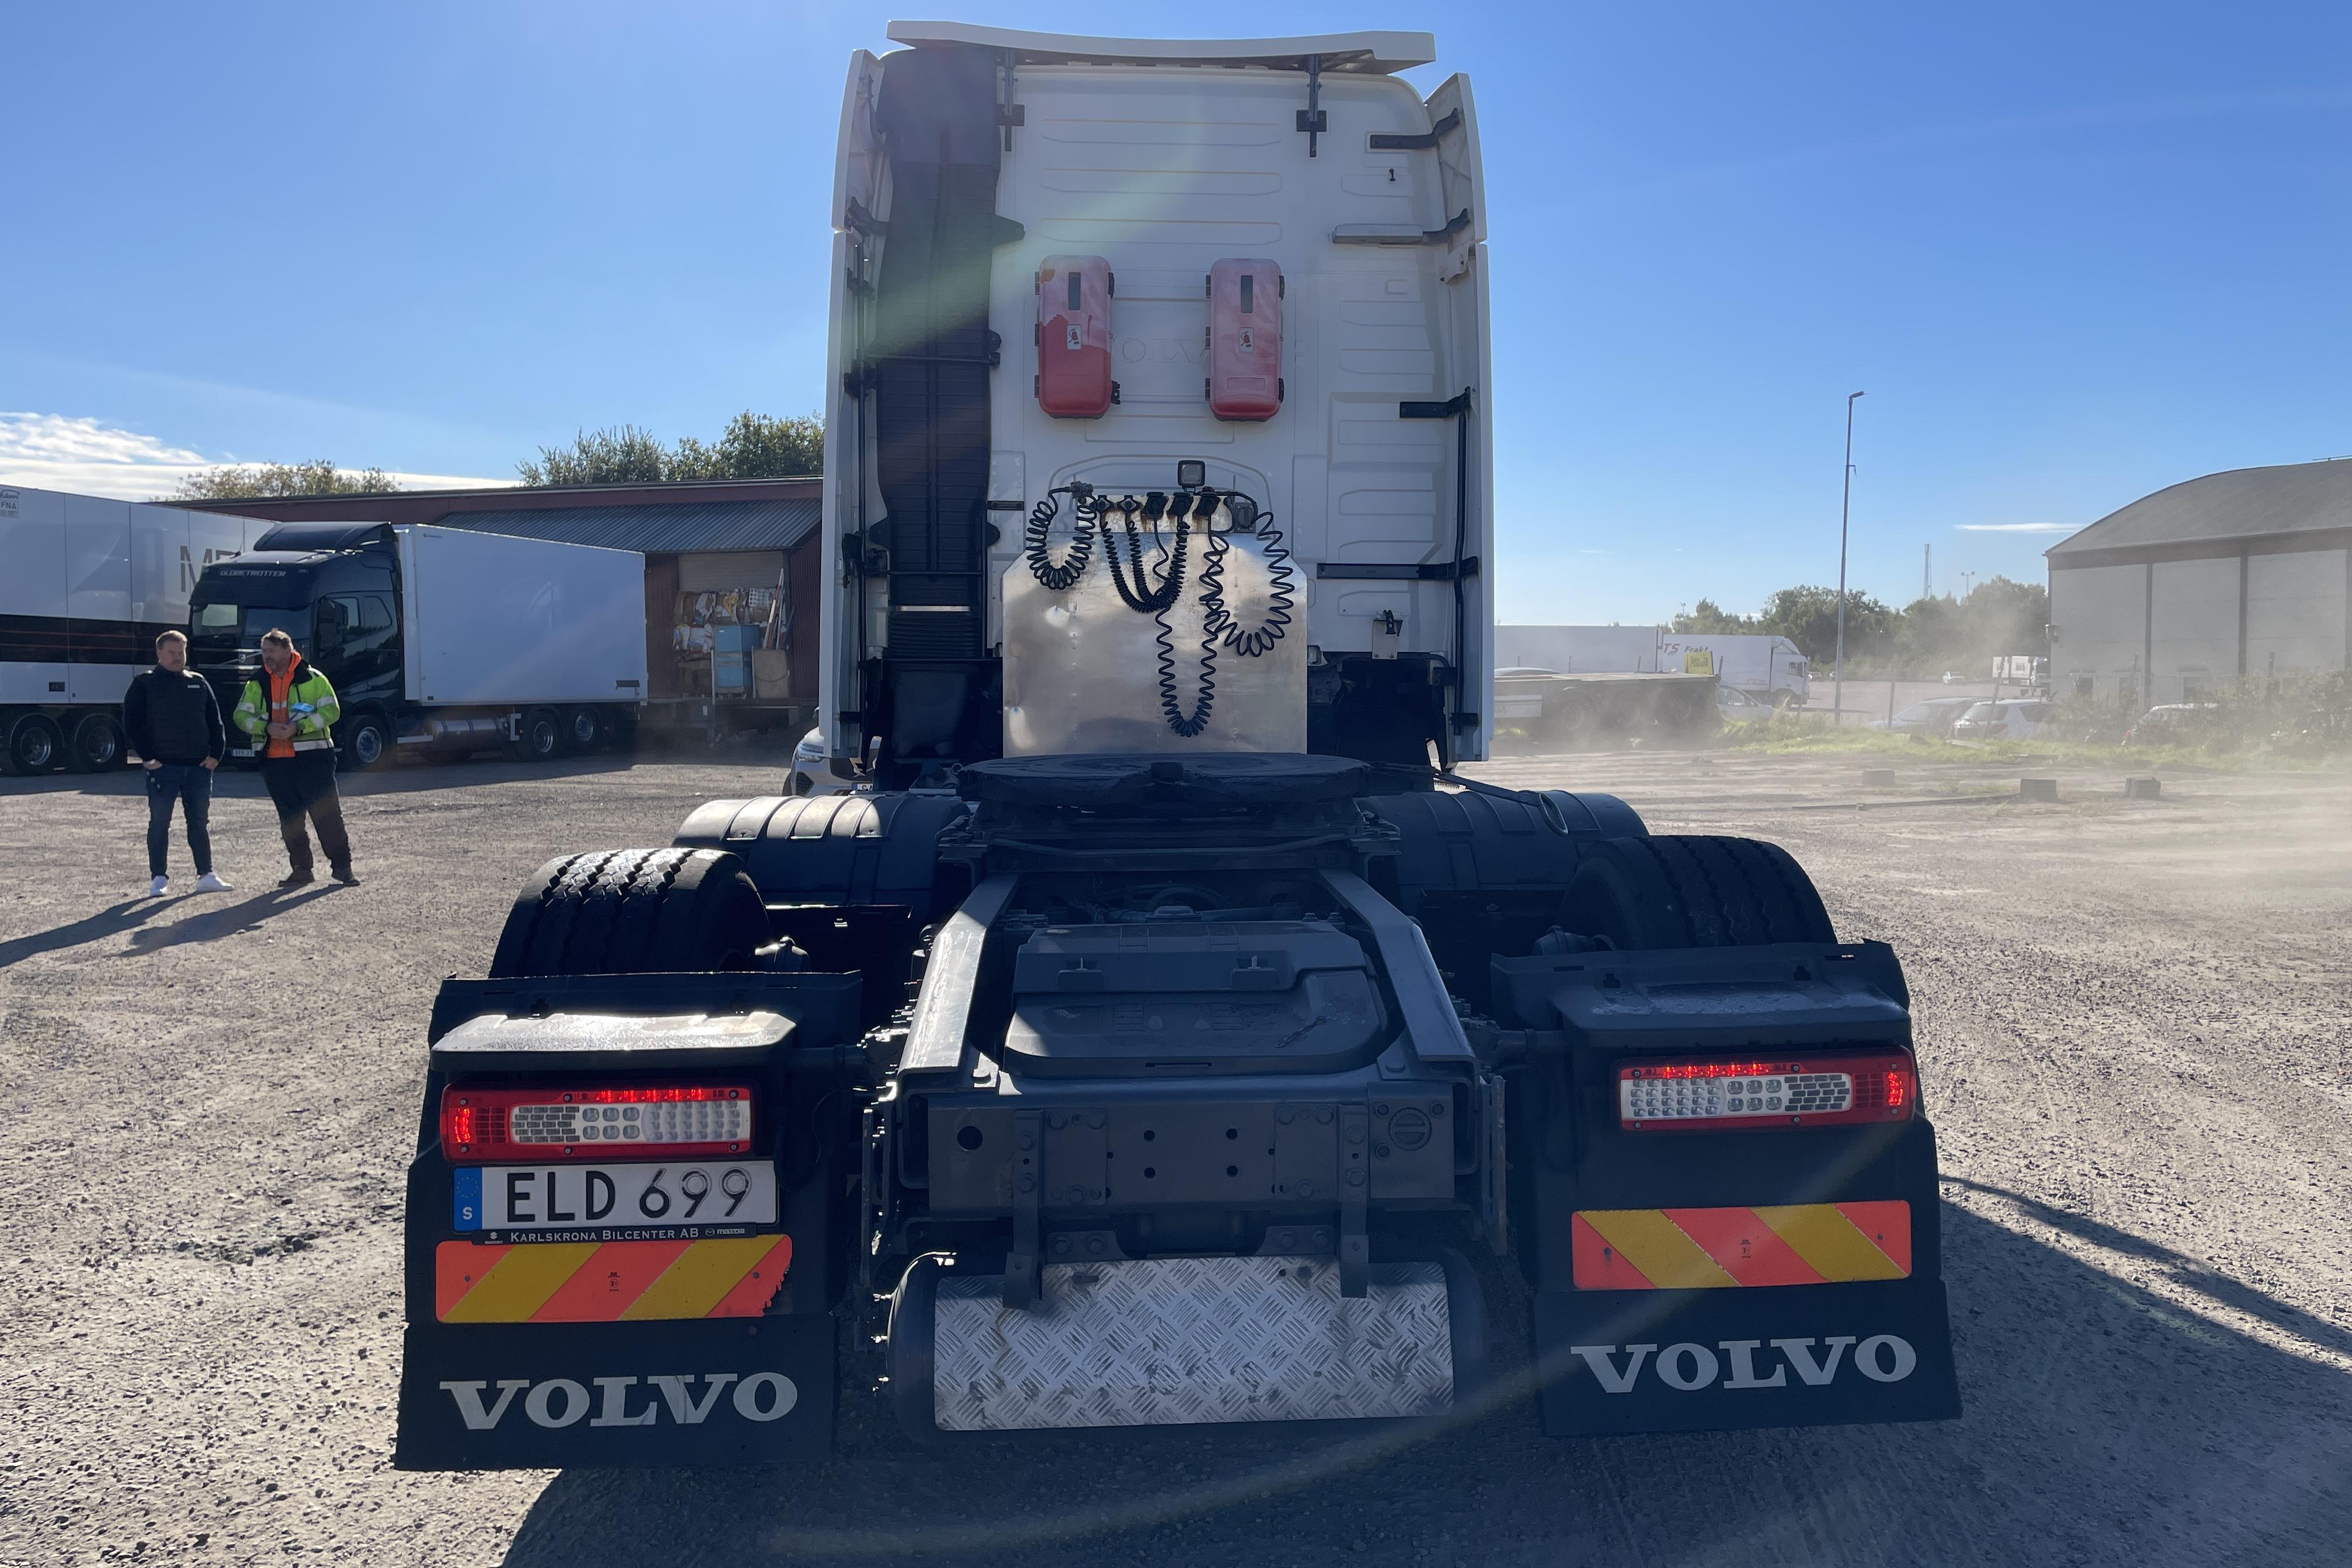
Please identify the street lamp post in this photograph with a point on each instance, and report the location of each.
(1845, 508)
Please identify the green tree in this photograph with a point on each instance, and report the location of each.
(1808, 616)
(2004, 617)
(618, 455)
(1707, 618)
(239, 481)
(752, 447)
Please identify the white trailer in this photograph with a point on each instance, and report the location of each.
(87, 584)
(1770, 668)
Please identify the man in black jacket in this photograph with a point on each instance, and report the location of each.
(174, 724)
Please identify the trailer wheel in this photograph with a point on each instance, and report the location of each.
(634, 912)
(539, 737)
(32, 745)
(1693, 891)
(580, 731)
(96, 744)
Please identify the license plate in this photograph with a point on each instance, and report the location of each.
(673, 1199)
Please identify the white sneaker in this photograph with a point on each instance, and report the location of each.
(159, 887)
(210, 882)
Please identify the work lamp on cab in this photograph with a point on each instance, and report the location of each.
(486, 1124)
(1816, 1091)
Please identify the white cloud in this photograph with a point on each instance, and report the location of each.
(2015, 526)
(57, 452)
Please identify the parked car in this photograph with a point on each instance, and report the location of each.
(2170, 724)
(812, 773)
(2014, 718)
(1935, 716)
(1733, 703)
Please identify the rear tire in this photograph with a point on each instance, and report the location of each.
(1693, 891)
(581, 730)
(539, 737)
(96, 744)
(33, 745)
(634, 912)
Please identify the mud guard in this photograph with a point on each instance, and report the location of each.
(545, 1395)
(654, 1343)
(1603, 1213)
(1712, 1361)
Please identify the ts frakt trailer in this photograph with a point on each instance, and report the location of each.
(1156, 1036)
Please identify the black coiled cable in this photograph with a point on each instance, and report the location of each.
(1142, 598)
(1184, 512)
(1061, 576)
(1281, 595)
(1213, 599)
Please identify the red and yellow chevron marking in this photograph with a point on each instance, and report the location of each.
(608, 1281)
(1698, 1249)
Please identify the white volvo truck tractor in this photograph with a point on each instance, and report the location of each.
(1161, 1031)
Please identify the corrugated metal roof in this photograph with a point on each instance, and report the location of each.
(657, 529)
(2227, 508)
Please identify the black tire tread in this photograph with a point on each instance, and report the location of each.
(1697, 890)
(630, 911)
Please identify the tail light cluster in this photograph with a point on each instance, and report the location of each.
(596, 1123)
(1805, 1091)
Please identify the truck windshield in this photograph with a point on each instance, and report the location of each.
(238, 625)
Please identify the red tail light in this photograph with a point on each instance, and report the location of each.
(1805, 1091)
(640, 1120)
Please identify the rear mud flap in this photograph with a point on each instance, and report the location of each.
(1710, 1361)
(547, 1396)
(1184, 1341)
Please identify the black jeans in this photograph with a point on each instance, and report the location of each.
(304, 784)
(190, 784)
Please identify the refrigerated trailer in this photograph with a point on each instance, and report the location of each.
(436, 637)
(87, 584)
(1164, 1031)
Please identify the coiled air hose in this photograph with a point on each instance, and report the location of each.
(1037, 537)
(1183, 512)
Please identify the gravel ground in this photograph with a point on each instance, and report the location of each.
(2134, 1032)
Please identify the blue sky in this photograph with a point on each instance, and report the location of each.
(2073, 253)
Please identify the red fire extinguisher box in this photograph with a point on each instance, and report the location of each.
(1244, 339)
(1074, 295)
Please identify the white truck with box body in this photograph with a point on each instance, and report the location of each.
(1156, 1035)
(436, 636)
(87, 584)
(1770, 668)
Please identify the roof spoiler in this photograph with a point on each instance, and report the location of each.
(309, 536)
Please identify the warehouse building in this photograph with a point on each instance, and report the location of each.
(2237, 574)
(729, 562)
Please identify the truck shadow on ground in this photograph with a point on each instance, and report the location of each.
(2104, 1423)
